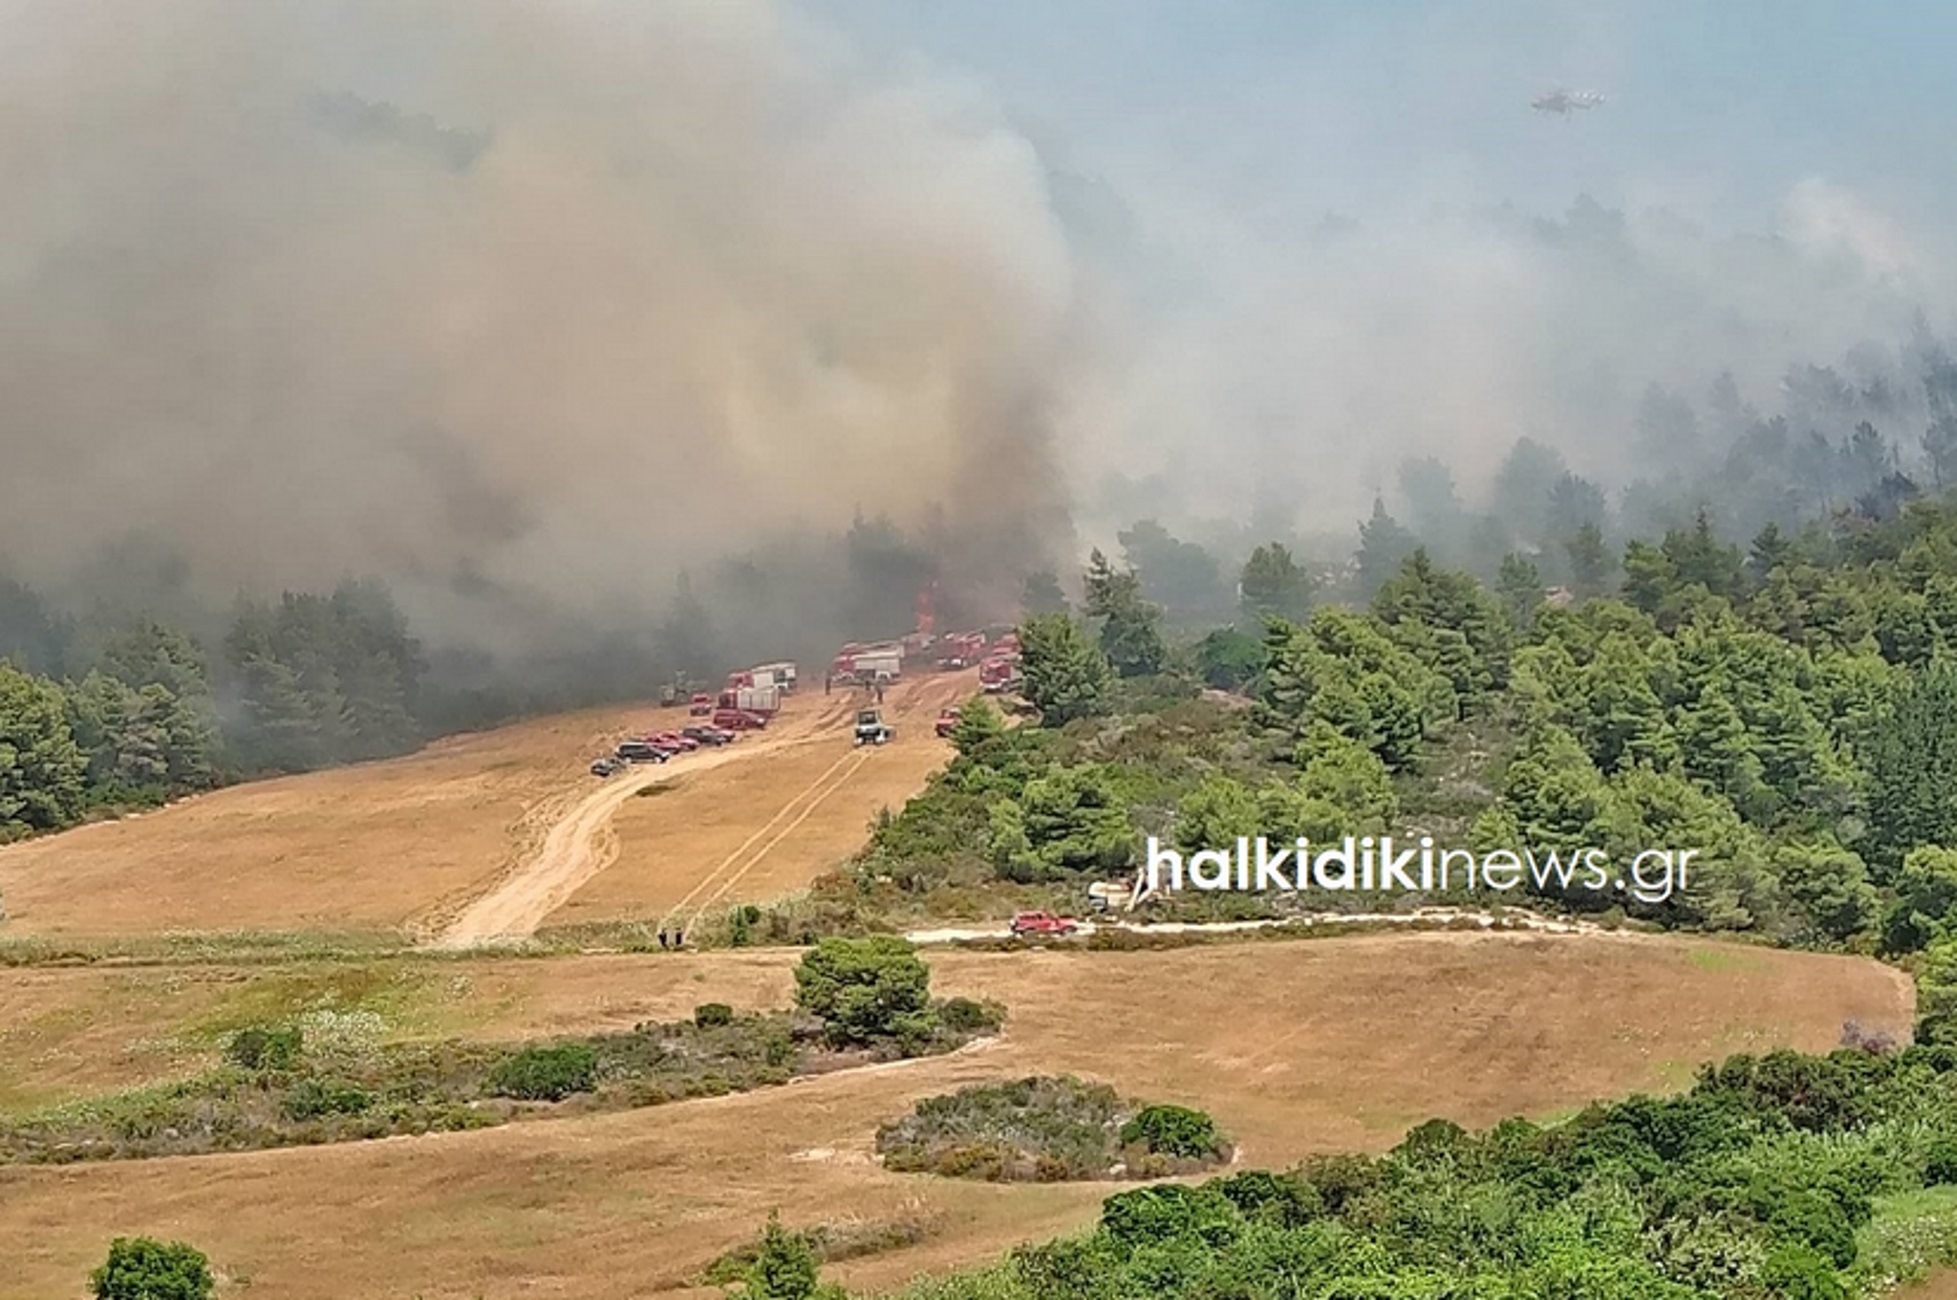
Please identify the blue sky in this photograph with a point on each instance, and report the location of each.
(1717, 106)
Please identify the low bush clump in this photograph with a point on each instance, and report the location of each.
(139, 1268)
(828, 1243)
(874, 994)
(335, 1078)
(1175, 1132)
(546, 1073)
(260, 1048)
(1044, 1129)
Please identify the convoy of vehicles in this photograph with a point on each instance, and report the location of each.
(751, 697)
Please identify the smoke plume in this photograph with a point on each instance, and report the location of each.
(487, 297)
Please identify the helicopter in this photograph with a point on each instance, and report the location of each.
(1565, 102)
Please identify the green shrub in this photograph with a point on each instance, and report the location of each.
(317, 1098)
(1940, 1163)
(546, 1073)
(1156, 1214)
(139, 1268)
(964, 1016)
(864, 990)
(785, 1268)
(1036, 1129)
(713, 1015)
(740, 925)
(1797, 1272)
(259, 1048)
(1174, 1131)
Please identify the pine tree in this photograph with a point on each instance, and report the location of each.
(1274, 585)
(1066, 677)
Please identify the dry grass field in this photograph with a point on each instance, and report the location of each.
(1295, 1046)
(407, 843)
(764, 829)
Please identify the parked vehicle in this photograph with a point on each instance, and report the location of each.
(780, 674)
(701, 706)
(751, 699)
(863, 667)
(998, 674)
(947, 722)
(739, 720)
(639, 751)
(1043, 923)
(961, 650)
(673, 740)
(609, 765)
(709, 735)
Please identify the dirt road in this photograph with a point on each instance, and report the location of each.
(577, 848)
(1514, 920)
(756, 832)
(584, 843)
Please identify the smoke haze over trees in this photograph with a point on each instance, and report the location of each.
(578, 345)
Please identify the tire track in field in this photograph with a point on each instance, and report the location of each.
(814, 793)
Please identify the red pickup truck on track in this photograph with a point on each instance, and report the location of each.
(1043, 923)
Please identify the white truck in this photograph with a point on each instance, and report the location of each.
(775, 674)
(874, 666)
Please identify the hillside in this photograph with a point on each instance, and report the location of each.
(1329, 1045)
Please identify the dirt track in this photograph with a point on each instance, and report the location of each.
(583, 842)
(577, 848)
(761, 830)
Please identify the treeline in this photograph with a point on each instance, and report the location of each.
(1776, 1176)
(1789, 711)
(118, 713)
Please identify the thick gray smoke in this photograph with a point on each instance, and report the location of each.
(528, 307)
(482, 295)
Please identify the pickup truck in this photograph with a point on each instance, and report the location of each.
(1043, 923)
(947, 723)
